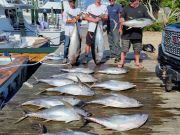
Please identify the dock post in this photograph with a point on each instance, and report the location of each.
(32, 13)
(21, 22)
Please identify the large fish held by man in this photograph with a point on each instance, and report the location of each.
(75, 46)
(138, 23)
(98, 48)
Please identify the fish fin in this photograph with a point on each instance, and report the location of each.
(85, 122)
(79, 81)
(87, 85)
(68, 105)
(40, 92)
(92, 85)
(81, 104)
(21, 119)
(28, 85)
(39, 108)
(129, 28)
(104, 106)
(46, 121)
(43, 128)
(36, 80)
(67, 129)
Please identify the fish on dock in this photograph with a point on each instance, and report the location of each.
(121, 122)
(86, 78)
(51, 101)
(138, 23)
(79, 69)
(73, 89)
(78, 88)
(75, 46)
(114, 85)
(66, 113)
(117, 100)
(57, 82)
(113, 71)
(70, 133)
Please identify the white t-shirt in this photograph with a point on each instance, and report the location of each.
(97, 11)
(67, 15)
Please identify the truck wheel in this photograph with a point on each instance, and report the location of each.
(168, 86)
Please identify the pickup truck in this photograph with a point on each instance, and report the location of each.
(168, 68)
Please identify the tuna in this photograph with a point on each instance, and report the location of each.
(57, 82)
(80, 70)
(138, 23)
(70, 133)
(114, 85)
(116, 100)
(73, 76)
(58, 113)
(121, 122)
(113, 71)
(73, 89)
(49, 102)
(75, 46)
(98, 48)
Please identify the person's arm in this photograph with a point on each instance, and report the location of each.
(68, 21)
(121, 20)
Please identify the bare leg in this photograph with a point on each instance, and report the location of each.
(137, 60)
(87, 49)
(123, 55)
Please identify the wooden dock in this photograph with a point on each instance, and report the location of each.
(148, 92)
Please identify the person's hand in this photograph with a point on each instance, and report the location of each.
(74, 20)
(120, 30)
(97, 19)
(77, 18)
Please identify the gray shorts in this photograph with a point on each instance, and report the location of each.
(126, 44)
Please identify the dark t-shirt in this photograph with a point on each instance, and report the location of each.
(113, 15)
(130, 13)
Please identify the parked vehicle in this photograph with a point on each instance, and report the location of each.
(168, 68)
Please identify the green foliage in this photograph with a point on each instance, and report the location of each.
(157, 26)
(122, 2)
(172, 20)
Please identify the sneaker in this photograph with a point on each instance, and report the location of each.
(85, 61)
(65, 61)
(116, 60)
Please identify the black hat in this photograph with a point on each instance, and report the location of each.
(72, 0)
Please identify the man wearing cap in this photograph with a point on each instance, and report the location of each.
(113, 23)
(132, 36)
(94, 11)
(70, 17)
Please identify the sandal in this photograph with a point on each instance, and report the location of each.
(120, 65)
(139, 66)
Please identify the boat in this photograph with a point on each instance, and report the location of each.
(14, 21)
(12, 76)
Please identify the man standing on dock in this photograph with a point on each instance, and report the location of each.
(94, 11)
(132, 36)
(70, 17)
(113, 23)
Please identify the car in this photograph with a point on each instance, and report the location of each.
(168, 67)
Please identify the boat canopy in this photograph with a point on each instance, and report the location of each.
(5, 4)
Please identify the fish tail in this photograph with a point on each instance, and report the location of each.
(21, 119)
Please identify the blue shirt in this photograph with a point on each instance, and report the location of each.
(113, 16)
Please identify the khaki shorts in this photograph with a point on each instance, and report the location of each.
(90, 38)
(126, 44)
